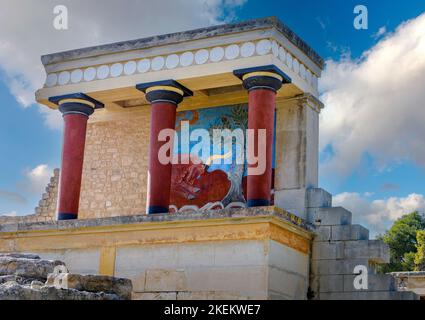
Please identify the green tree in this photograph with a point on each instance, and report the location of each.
(420, 254)
(401, 238)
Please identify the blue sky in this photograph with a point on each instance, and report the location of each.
(30, 145)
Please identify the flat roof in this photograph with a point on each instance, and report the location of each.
(172, 38)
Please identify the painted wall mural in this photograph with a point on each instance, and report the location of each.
(206, 177)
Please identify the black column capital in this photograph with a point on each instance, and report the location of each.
(164, 91)
(76, 103)
(264, 77)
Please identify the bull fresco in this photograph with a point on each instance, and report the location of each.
(214, 179)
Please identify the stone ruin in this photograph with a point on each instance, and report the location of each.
(28, 277)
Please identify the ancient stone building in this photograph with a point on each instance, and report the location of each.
(198, 227)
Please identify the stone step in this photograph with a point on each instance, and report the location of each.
(376, 282)
(341, 233)
(375, 251)
(332, 216)
(327, 250)
(318, 198)
(338, 267)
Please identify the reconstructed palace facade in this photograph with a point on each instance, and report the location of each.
(198, 227)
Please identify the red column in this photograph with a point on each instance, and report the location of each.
(262, 85)
(76, 109)
(261, 113)
(164, 97)
(163, 116)
(74, 139)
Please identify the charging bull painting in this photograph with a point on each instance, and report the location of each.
(209, 170)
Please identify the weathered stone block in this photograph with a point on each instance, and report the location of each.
(374, 250)
(376, 282)
(331, 283)
(328, 250)
(14, 291)
(288, 283)
(349, 232)
(20, 255)
(322, 233)
(165, 280)
(31, 268)
(247, 280)
(335, 267)
(333, 216)
(95, 283)
(318, 198)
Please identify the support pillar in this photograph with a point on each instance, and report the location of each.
(76, 109)
(262, 84)
(164, 97)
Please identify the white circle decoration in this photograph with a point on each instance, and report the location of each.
(103, 72)
(172, 61)
(289, 60)
(51, 79)
(217, 54)
(302, 71)
(308, 76)
(64, 77)
(158, 63)
(89, 74)
(275, 48)
(247, 49)
(76, 75)
(116, 70)
(296, 66)
(186, 59)
(263, 47)
(143, 65)
(201, 56)
(282, 54)
(130, 67)
(231, 52)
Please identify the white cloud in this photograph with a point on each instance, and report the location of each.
(26, 31)
(9, 214)
(379, 214)
(375, 105)
(381, 31)
(37, 178)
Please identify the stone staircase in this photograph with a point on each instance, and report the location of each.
(339, 246)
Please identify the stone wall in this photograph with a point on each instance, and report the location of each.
(338, 248)
(116, 165)
(46, 209)
(28, 277)
(255, 253)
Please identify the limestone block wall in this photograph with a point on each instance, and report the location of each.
(116, 165)
(249, 253)
(297, 141)
(338, 247)
(46, 209)
(215, 270)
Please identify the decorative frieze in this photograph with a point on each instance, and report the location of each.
(186, 59)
